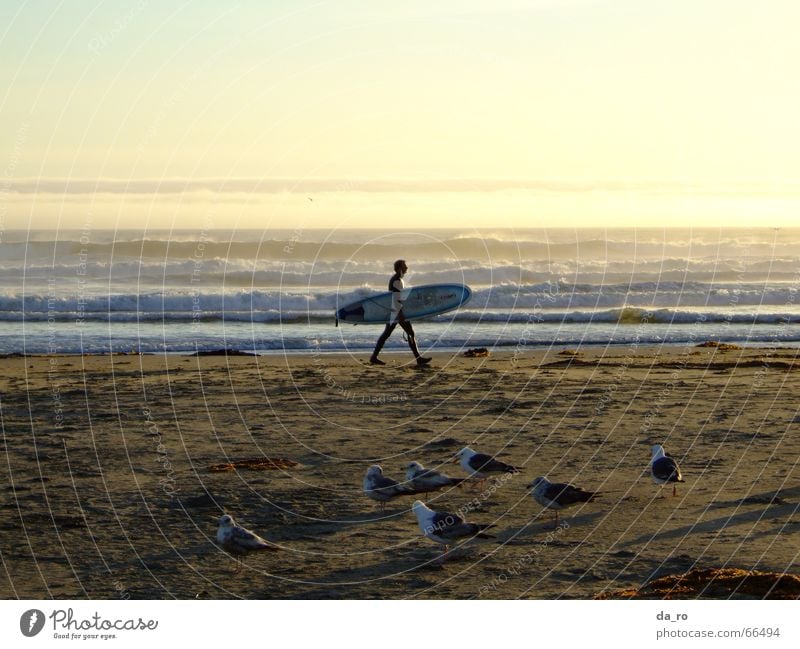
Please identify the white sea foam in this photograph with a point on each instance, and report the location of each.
(565, 285)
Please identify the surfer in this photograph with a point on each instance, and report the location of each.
(396, 286)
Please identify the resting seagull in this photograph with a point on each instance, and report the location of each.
(446, 528)
(238, 540)
(481, 466)
(664, 469)
(421, 479)
(378, 487)
(558, 495)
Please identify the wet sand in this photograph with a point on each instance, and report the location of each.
(107, 491)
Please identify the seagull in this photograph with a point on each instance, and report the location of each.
(238, 540)
(446, 528)
(378, 487)
(556, 495)
(422, 479)
(664, 469)
(480, 466)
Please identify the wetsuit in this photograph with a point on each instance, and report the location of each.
(396, 286)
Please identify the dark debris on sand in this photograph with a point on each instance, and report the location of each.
(476, 352)
(223, 352)
(257, 464)
(724, 347)
(715, 583)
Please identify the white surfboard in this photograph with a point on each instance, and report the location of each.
(418, 302)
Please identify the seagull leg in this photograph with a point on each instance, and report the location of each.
(555, 524)
(674, 490)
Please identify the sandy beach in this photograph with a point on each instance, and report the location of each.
(107, 490)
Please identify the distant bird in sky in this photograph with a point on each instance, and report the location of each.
(378, 487)
(481, 466)
(238, 540)
(557, 495)
(446, 528)
(664, 469)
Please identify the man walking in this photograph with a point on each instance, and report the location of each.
(396, 286)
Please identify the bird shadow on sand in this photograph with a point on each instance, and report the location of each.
(371, 516)
(356, 521)
(161, 554)
(779, 497)
(538, 529)
(417, 569)
(778, 508)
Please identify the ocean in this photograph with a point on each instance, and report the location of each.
(273, 291)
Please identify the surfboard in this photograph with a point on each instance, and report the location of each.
(418, 302)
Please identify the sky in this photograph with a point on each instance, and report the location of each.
(259, 114)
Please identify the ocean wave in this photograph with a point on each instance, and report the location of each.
(626, 315)
(384, 247)
(604, 277)
(364, 342)
(511, 297)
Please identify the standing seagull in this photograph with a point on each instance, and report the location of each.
(481, 466)
(557, 495)
(664, 469)
(446, 528)
(238, 540)
(378, 487)
(422, 479)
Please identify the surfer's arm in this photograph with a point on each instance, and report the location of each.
(398, 287)
(398, 298)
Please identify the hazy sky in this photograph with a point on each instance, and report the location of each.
(399, 114)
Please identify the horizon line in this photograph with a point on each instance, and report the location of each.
(175, 185)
